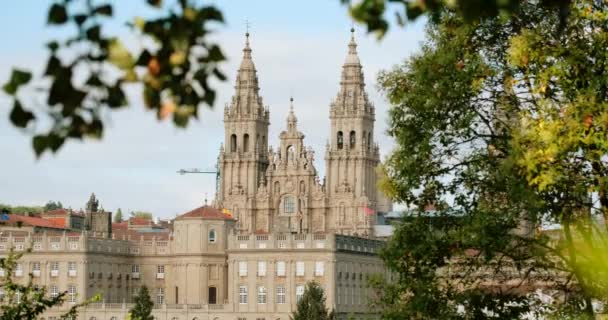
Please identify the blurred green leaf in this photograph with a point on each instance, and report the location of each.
(20, 117)
(57, 14)
(18, 78)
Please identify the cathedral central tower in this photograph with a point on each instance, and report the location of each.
(243, 159)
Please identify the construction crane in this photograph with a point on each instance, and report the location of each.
(196, 170)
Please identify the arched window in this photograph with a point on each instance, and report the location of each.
(277, 187)
(289, 205)
(246, 143)
(258, 148)
(302, 186)
(233, 143)
(212, 235)
(364, 138)
(340, 140)
(263, 143)
(353, 139)
(369, 140)
(290, 154)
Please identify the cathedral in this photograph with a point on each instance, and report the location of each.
(282, 226)
(278, 190)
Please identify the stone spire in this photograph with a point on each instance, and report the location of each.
(352, 57)
(292, 121)
(246, 100)
(352, 98)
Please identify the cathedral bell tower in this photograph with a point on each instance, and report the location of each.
(352, 155)
(243, 157)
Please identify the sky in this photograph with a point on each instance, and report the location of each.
(298, 49)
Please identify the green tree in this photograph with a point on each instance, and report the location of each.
(142, 214)
(118, 215)
(22, 210)
(27, 301)
(312, 304)
(52, 205)
(142, 308)
(176, 68)
(504, 119)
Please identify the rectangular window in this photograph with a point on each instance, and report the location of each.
(299, 293)
(53, 291)
(19, 270)
(299, 268)
(160, 296)
(261, 268)
(319, 268)
(160, 271)
(135, 268)
(243, 295)
(242, 268)
(72, 269)
(72, 294)
(280, 294)
(36, 269)
(281, 268)
(262, 295)
(289, 205)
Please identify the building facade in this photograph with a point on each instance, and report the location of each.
(278, 190)
(273, 227)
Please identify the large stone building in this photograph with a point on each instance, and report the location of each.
(272, 191)
(273, 227)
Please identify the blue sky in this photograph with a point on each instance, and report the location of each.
(298, 48)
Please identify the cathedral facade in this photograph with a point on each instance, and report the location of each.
(278, 190)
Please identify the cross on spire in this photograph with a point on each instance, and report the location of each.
(247, 26)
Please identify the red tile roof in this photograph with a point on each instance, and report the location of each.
(56, 212)
(120, 225)
(15, 219)
(205, 212)
(140, 221)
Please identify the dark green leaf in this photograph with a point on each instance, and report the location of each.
(19, 116)
(116, 97)
(156, 3)
(57, 14)
(54, 142)
(53, 66)
(80, 19)
(61, 87)
(40, 144)
(53, 46)
(18, 78)
(143, 59)
(105, 10)
(94, 33)
(215, 54)
(219, 74)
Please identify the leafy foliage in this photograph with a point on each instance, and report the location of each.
(373, 13)
(86, 74)
(52, 205)
(142, 214)
(175, 70)
(503, 119)
(21, 210)
(142, 309)
(27, 301)
(312, 304)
